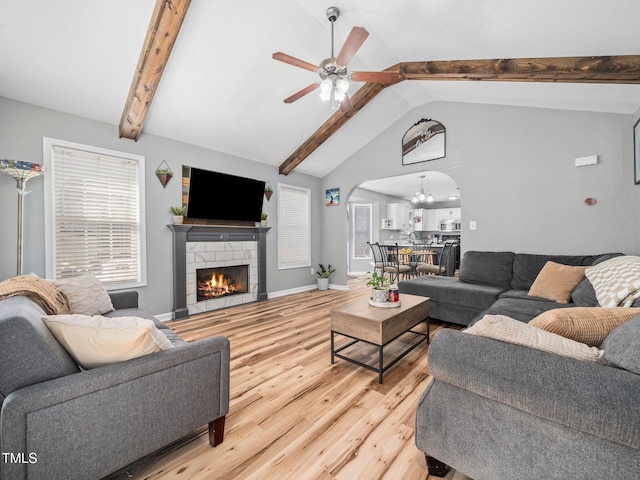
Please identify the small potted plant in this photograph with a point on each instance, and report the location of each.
(264, 216)
(268, 191)
(164, 175)
(380, 287)
(323, 276)
(178, 214)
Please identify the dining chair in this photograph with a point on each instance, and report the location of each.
(377, 258)
(440, 268)
(392, 264)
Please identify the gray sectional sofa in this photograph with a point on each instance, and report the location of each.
(497, 410)
(497, 283)
(59, 421)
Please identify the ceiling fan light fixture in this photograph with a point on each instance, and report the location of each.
(326, 86)
(342, 85)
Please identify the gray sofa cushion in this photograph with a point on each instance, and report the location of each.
(29, 353)
(621, 347)
(526, 266)
(451, 290)
(487, 268)
(517, 304)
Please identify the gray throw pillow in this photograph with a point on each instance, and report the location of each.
(621, 347)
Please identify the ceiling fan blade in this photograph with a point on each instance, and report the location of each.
(301, 93)
(283, 57)
(354, 41)
(345, 104)
(384, 78)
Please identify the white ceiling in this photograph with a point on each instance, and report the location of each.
(222, 90)
(439, 184)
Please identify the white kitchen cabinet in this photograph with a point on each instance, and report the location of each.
(426, 220)
(433, 220)
(449, 213)
(398, 217)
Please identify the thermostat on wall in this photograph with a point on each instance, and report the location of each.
(584, 161)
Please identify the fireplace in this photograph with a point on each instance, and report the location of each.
(197, 247)
(221, 281)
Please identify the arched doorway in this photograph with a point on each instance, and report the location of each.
(382, 211)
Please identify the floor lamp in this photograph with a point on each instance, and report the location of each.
(21, 171)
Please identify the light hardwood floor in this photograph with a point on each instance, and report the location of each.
(293, 415)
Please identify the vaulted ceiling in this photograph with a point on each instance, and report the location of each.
(222, 90)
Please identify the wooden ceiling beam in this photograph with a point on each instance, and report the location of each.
(621, 69)
(164, 27)
(359, 99)
(610, 69)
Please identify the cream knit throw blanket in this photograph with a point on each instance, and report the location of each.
(52, 300)
(616, 281)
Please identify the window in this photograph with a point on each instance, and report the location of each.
(94, 217)
(294, 226)
(361, 231)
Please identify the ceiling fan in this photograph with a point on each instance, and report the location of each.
(334, 77)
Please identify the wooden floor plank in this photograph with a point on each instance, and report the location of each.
(294, 415)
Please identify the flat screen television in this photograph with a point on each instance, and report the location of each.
(224, 197)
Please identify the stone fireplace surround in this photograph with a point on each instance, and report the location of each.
(211, 246)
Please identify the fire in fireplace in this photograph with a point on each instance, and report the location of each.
(220, 281)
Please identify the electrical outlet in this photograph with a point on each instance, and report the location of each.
(472, 225)
(313, 271)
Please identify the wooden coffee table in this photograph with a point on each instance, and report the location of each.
(378, 326)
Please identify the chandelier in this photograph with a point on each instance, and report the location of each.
(420, 197)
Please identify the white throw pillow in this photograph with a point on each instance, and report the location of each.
(94, 341)
(507, 329)
(86, 294)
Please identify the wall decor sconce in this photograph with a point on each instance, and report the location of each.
(164, 173)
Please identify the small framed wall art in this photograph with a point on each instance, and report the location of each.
(636, 152)
(332, 197)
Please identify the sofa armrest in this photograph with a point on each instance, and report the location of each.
(589, 397)
(124, 299)
(97, 421)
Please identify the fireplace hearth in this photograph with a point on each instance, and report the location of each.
(221, 281)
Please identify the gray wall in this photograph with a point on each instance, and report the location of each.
(515, 169)
(22, 127)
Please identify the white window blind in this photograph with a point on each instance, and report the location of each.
(294, 226)
(96, 214)
(361, 229)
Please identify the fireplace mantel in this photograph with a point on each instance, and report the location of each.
(182, 234)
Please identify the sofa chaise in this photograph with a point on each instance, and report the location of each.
(61, 421)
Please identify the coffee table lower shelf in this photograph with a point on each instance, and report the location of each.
(381, 368)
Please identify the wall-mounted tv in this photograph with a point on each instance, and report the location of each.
(224, 197)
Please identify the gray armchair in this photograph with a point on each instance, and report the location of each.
(61, 422)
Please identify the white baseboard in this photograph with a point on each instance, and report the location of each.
(290, 291)
(305, 288)
(164, 317)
